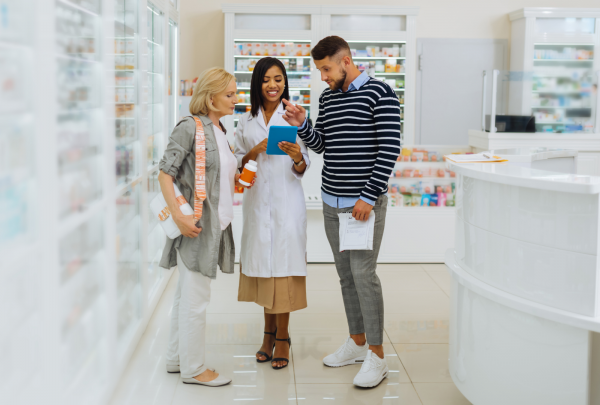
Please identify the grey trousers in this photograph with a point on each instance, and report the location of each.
(361, 289)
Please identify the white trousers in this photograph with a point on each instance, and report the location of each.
(188, 322)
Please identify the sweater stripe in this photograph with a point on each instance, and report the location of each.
(359, 123)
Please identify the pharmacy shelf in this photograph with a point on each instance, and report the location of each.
(77, 7)
(289, 72)
(565, 60)
(303, 105)
(269, 56)
(72, 221)
(378, 57)
(290, 88)
(566, 93)
(75, 59)
(561, 108)
(389, 74)
(421, 207)
(412, 165)
(450, 179)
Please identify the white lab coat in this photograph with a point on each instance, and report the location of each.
(274, 234)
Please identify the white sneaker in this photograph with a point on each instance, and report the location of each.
(348, 353)
(372, 372)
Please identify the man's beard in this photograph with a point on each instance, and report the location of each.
(338, 84)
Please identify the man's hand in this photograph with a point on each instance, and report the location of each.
(187, 226)
(361, 210)
(292, 149)
(294, 114)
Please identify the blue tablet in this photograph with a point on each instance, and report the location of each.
(280, 134)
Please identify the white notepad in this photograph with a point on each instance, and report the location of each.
(356, 235)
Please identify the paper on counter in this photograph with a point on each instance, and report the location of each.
(356, 235)
(475, 158)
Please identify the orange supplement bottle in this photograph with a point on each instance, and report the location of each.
(248, 173)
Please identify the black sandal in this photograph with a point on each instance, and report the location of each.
(268, 358)
(289, 340)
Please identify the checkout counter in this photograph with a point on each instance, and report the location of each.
(525, 302)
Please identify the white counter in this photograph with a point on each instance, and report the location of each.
(525, 311)
(588, 145)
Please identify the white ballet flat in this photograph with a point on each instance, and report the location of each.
(175, 369)
(217, 382)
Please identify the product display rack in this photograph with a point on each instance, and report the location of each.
(81, 249)
(20, 240)
(557, 50)
(378, 36)
(560, 95)
(370, 30)
(295, 55)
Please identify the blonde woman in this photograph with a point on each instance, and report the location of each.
(209, 241)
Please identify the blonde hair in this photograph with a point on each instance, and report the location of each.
(212, 81)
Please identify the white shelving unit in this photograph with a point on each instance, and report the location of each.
(81, 270)
(291, 36)
(557, 90)
(556, 50)
(382, 26)
(361, 26)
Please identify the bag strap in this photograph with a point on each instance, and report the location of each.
(200, 176)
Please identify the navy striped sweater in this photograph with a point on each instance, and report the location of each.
(359, 133)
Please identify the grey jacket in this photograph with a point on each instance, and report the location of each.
(212, 246)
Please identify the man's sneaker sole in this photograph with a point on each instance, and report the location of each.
(357, 360)
(374, 384)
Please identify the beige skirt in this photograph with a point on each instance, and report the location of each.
(278, 295)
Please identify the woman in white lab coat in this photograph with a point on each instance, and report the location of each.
(273, 252)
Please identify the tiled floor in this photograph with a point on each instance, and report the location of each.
(416, 347)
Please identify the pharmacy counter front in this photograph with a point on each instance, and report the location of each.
(525, 302)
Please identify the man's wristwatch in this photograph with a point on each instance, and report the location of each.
(300, 162)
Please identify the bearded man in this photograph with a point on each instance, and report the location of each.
(358, 131)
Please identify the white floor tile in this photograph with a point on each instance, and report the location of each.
(415, 302)
(434, 267)
(400, 267)
(417, 328)
(440, 394)
(308, 329)
(269, 394)
(324, 302)
(235, 328)
(416, 321)
(425, 362)
(309, 367)
(442, 278)
(394, 281)
(346, 394)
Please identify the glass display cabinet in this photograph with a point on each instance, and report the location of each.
(83, 125)
(557, 51)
